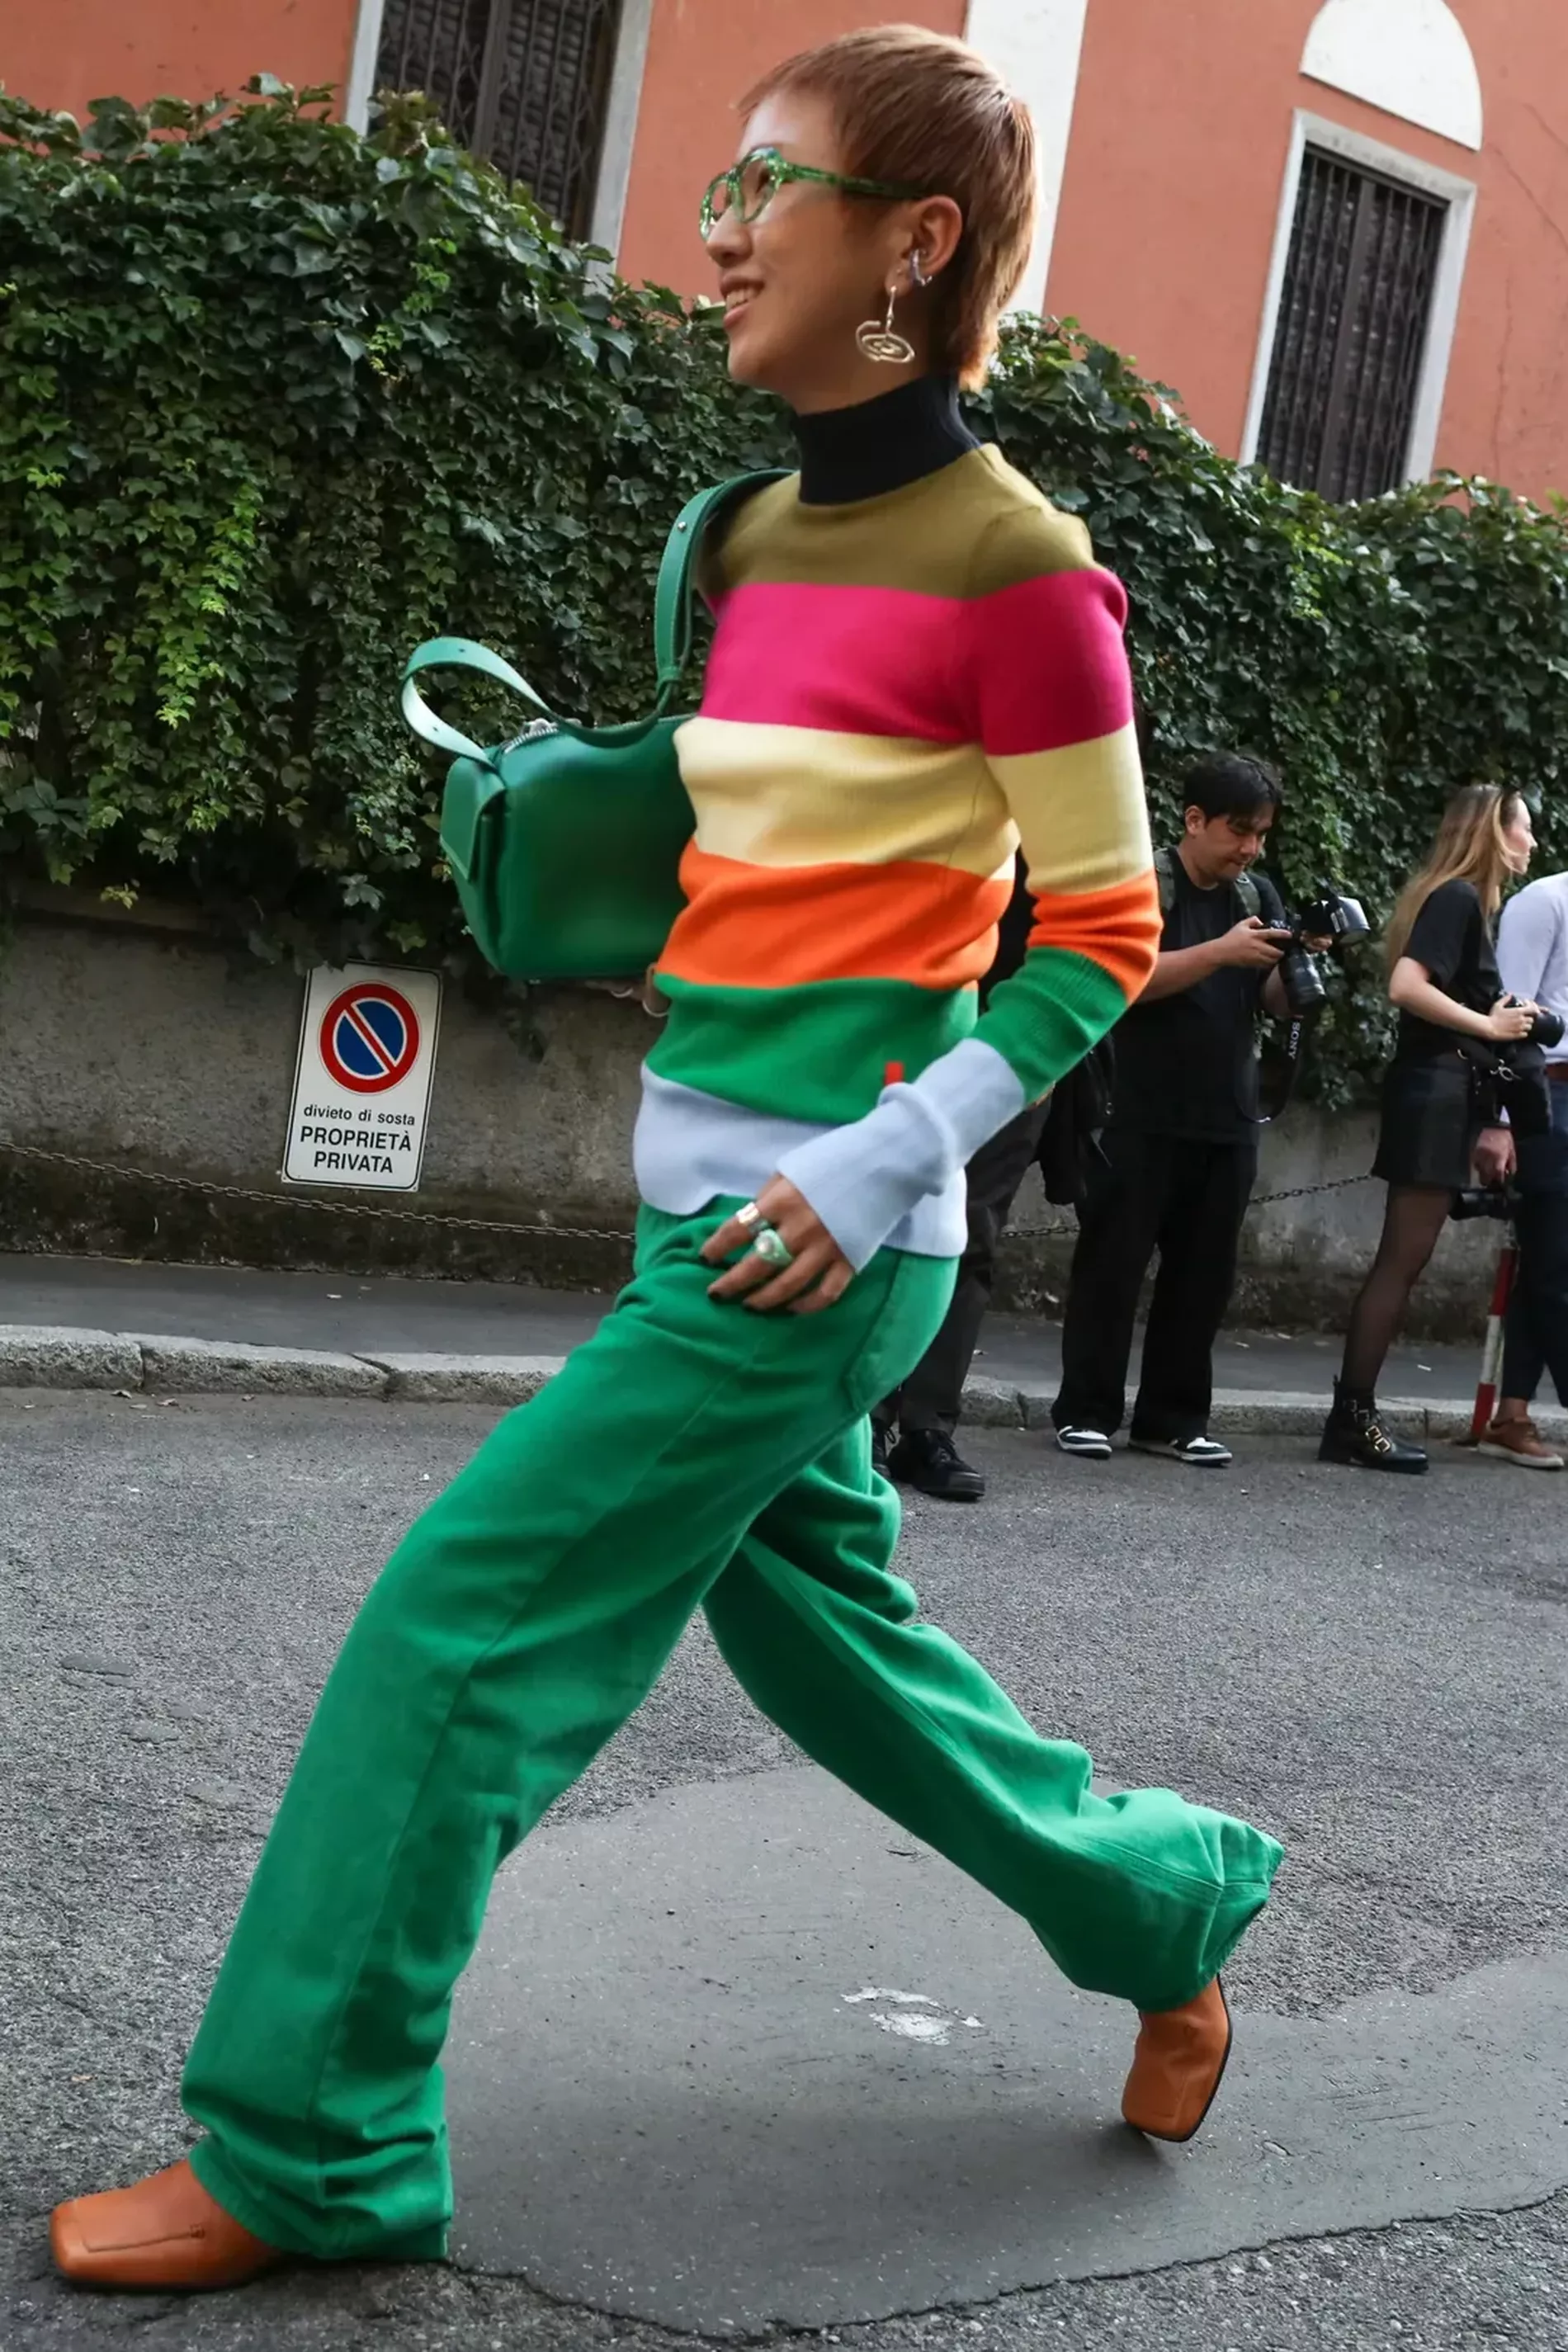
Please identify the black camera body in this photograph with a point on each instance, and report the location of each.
(1332, 917)
(1500, 1200)
(1513, 1077)
(1546, 1029)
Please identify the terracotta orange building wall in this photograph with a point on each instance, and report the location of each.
(1506, 414)
(64, 53)
(1172, 195)
(701, 55)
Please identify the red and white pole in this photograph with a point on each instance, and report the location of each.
(1491, 1354)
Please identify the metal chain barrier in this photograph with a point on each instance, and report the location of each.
(1300, 1191)
(302, 1201)
(1258, 1200)
(492, 1224)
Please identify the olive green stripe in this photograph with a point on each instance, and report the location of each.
(965, 532)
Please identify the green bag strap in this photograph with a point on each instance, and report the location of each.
(672, 628)
(457, 653)
(673, 600)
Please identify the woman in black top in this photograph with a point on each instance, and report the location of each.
(1443, 977)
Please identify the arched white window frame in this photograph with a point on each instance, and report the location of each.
(1407, 57)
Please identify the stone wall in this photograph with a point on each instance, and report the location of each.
(144, 1048)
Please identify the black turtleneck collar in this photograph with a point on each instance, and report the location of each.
(881, 444)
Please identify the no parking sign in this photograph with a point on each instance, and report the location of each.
(361, 1088)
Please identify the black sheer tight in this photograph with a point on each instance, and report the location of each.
(1413, 1220)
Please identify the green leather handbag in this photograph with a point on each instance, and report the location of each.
(566, 841)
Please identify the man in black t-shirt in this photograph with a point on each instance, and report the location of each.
(1181, 1149)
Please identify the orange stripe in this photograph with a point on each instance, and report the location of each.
(787, 927)
(1117, 928)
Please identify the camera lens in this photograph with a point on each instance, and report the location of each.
(1500, 1200)
(1301, 980)
(1546, 1029)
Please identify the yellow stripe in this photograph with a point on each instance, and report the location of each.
(810, 796)
(1080, 812)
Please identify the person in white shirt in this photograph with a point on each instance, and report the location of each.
(1532, 957)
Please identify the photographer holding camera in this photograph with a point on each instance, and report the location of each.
(1180, 1153)
(1532, 1168)
(1460, 1048)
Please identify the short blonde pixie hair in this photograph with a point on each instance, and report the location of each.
(921, 109)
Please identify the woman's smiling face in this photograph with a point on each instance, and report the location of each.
(797, 281)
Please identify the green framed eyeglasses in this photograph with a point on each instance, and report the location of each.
(749, 187)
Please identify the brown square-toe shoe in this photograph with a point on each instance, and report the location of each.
(1178, 2065)
(165, 2232)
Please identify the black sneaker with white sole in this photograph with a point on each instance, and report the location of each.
(1089, 1444)
(1197, 1453)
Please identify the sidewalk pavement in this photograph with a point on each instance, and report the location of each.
(115, 1324)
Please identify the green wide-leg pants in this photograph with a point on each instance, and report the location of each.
(690, 1454)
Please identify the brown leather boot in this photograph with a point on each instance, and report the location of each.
(165, 2232)
(1178, 2065)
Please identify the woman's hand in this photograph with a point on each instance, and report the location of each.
(1508, 1021)
(1495, 1156)
(647, 991)
(820, 1272)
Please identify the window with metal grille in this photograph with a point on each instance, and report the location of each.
(1353, 315)
(524, 83)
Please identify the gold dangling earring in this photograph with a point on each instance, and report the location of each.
(880, 343)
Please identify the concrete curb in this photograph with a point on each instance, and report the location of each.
(38, 1355)
(175, 1367)
(34, 1356)
(415, 1379)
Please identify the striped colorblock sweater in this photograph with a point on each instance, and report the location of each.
(903, 685)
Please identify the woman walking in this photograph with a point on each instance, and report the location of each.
(1443, 977)
(915, 663)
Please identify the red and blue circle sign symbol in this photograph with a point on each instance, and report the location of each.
(370, 1037)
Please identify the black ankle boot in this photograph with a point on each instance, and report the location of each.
(1355, 1435)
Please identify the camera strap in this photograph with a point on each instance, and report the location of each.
(1279, 1065)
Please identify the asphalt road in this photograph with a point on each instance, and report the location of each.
(1376, 1670)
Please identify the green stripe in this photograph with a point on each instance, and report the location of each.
(818, 1053)
(1045, 1018)
(822, 1052)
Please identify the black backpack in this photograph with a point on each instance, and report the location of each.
(1070, 1139)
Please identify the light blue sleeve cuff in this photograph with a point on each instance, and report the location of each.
(862, 1179)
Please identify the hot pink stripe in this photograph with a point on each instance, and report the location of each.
(853, 661)
(1046, 663)
(1028, 668)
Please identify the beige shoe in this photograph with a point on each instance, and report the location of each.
(1177, 2065)
(165, 2232)
(1517, 1440)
